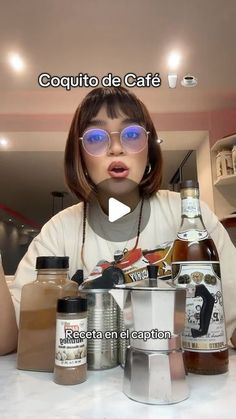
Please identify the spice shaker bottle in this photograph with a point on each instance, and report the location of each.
(37, 328)
(71, 343)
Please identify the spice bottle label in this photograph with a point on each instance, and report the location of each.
(71, 344)
(208, 274)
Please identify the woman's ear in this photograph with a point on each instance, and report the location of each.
(148, 169)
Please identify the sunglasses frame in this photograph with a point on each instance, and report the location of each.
(109, 139)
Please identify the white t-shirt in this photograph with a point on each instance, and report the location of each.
(62, 236)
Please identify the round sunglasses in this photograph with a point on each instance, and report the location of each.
(97, 141)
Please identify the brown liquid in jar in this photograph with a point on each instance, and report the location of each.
(37, 329)
(37, 340)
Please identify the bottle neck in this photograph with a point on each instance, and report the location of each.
(191, 217)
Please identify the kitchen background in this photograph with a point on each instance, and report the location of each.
(98, 37)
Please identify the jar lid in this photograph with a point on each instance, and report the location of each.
(52, 262)
(71, 305)
(189, 184)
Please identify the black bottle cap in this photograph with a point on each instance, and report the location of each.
(189, 184)
(71, 305)
(152, 271)
(52, 262)
(78, 276)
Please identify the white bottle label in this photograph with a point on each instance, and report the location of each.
(71, 348)
(190, 207)
(208, 274)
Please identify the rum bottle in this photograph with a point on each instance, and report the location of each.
(195, 261)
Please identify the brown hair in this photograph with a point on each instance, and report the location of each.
(115, 99)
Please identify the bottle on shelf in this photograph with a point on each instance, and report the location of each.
(234, 158)
(195, 261)
(224, 163)
(37, 328)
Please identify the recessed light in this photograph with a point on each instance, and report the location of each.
(3, 142)
(174, 60)
(16, 62)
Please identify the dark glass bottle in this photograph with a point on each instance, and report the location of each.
(195, 261)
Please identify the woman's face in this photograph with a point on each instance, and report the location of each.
(99, 168)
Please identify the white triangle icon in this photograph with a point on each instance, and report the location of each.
(116, 209)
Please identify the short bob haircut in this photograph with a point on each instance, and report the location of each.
(115, 99)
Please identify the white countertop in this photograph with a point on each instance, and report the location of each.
(34, 395)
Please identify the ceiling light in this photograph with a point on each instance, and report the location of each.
(16, 62)
(174, 60)
(3, 142)
(159, 141)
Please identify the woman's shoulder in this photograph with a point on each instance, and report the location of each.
(69, 217)
(165, 197)
(74, 211)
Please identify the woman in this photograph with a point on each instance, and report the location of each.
(112, 150)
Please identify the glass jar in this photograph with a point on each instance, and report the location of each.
(37, 327)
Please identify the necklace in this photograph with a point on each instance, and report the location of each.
(118, 254)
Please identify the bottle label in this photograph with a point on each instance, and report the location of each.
(192, 235)
(208, 274)
(190, 207)
(71, 348)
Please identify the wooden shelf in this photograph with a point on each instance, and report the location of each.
(226, 180)
(223, 187)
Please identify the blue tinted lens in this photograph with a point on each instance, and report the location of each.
(132, 133)
(134, 138)
(95, 141)
(95, 136)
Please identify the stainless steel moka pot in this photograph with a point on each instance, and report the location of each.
(154, 369)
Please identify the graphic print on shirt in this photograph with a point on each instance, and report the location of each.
(134, 263)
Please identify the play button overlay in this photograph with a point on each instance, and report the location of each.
(116, 211)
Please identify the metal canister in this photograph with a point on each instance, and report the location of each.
(102, 353)
(123, 342)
